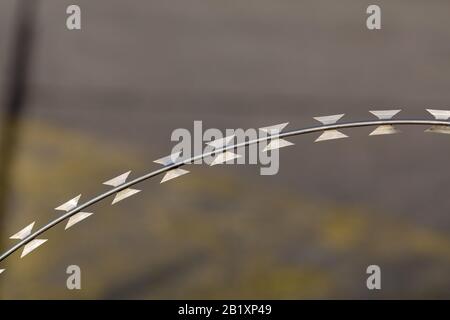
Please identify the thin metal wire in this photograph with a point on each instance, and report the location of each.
(201, 156)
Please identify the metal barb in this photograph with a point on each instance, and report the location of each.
(80, 216)
(117, 181)
(385, 114)
(172, 174)
(327, 120)
(31, 246)
(69, 205)
(331, 135)
(170, 159)
(25, 232)
(225, 157)
(440, 114)
(439, 129)
(172, 171)
(277, 144)
(122, 195)
(274, 129)
(384, 129)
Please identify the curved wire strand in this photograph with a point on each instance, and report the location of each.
(149, 175)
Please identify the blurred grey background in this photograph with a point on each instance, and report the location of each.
(105, 100)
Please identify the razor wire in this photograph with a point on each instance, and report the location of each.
(222, 153)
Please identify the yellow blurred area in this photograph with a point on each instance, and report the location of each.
(209, 235)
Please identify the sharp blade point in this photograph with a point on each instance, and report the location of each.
(121, 195)
(32, 245)
(172, 174)
(439, 114)
(385, 114)
(25, 232)
(117, 181)
(327, 120)
(225, 157)
(384, 129)
(277, 144)
(80, 216)
(170, 159)
(439, 129)
(275, 129)
(69, 205)
(331, 135)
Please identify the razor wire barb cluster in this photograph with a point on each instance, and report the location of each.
(222, 153)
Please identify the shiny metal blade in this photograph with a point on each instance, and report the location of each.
(2, 270)
(331, 135)
(277, 144)
(170, 159)
(327, 120)
(384, 129)
(117, 181)
(225, 157)
(80, 216)
(124, 194)
(439, 114)
(274, 129)
(25, 232)
(439, 129)
(32, 245)
(385, 114)
(69, 205)
(222, 142)
(172, 174)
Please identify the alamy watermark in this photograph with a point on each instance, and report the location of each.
(73, 21)
(374, 280)
(192, 143)
(73, 281)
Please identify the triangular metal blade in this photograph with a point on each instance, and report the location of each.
(277, 144)
(274, 129)
(32, 245)
(117, 181)
(170, 159)
(222, 142)
(440, 114)
(384, 129)
(80, 216)
(327, 120)
(124, 194)
(25, 232)
(331, 135)
(439, 129)
(172, 174)
(385, 114)
(2, 270)
(225, 157)
(69, 205)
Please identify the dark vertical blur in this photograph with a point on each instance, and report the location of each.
(16, 96)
